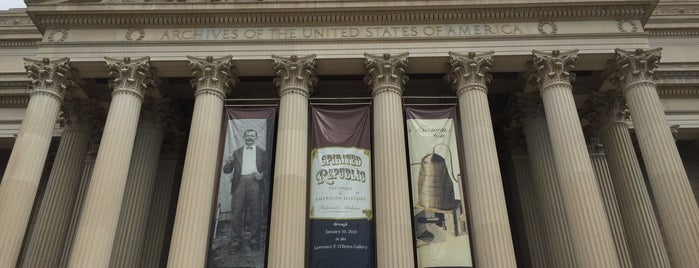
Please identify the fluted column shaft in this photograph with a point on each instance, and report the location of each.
(128, 245)
(394, 234)
(45, 244)
(589, 226)
(26, 163)
(491, 229)
(645, 242)
(88, 167)
(287, 235)
(158, 216)
(678, 210)
(97, 226)
(611, 206)
(533, 220)
(546, 182)
(191, 228)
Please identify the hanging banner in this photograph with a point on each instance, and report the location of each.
(439, 208)
(340, 207)
(239, 229)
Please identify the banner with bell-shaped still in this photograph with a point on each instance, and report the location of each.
(341, 218)
(440, 218)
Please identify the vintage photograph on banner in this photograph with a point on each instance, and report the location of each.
(239, 227)
(341, 218)
(439, 208)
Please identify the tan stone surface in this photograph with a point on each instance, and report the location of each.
(23, 171)
(295, 79)
(45, 245)
(668, 179)
(190, 233)
(97, 227)
(394, 232)
(584, 207)
(131, 231)
(492, 240)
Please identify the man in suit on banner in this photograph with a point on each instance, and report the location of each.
(247, 164)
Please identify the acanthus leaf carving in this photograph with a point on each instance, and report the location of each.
(50, 77)
(553, 68)
(295, 74)
(470, 71)
(386, 73)
(212, 75)
(132, 76)
(634, 67)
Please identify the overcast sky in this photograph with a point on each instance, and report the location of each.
(7, 4)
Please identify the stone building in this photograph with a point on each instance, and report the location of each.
(579, 123)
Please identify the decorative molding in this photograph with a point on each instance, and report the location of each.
(363, 16)
(634, 67)
(632, 27)
(135, 34)
(131, 76)
(50, 77)
(678, 91)
(19, 43)
(551, 29)
(676, 10)
(295, 74)
(14, 101)
(553, 68)
(155, 114)
(470, 71)
(386, 73)
(529, 107)
(58, 35)
(212, 75)
(80, 115)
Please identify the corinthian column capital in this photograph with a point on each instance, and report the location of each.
(156, 114)
(80, 115)
(50, 77)
(212, 75)
(530, 106)
(470, 71)
(131, 76)
(386, 73)
(634, 67)
(295, 74)
(610, 107)
(553, 68)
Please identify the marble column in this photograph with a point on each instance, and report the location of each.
(45, 244)
(94, 239)
(611, 206)
(584, 207)
(529, 202)
(213, 78)
(156, 229)
(50, 81)
(678, 210)
(287, 235)
(88, 167)
(394, 233)
(645, 241)
(546, 181)
(131, 231)
(492, 240)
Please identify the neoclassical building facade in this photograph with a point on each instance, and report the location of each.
(578, 126)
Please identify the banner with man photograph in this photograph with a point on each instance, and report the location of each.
(239, 228)
(439, 209)
(340, 208)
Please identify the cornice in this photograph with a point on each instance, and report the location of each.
(19, 43)
(14, 101)
(673, 32)
(218, 14)
(675, 91)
